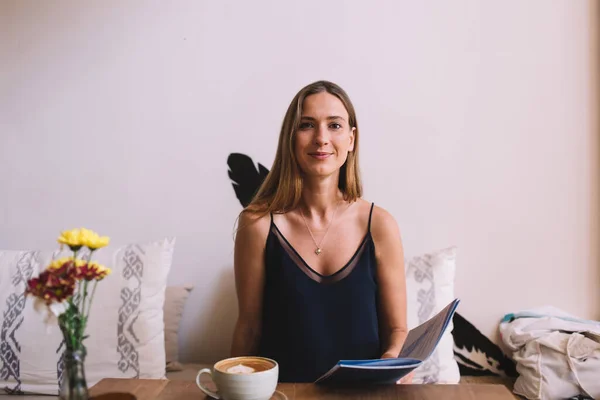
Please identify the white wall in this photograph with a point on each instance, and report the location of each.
(479, 124)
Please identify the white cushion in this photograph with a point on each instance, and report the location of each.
(430, 288)
(175, 299)
(125, 327)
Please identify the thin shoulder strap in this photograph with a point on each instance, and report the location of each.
(370, 215)
(271, 213)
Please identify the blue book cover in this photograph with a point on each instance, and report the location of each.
(418, 346)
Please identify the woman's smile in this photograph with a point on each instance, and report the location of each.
(320, 155)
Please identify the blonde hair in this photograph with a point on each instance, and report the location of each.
(282, 188)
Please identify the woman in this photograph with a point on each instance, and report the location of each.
(319, 271)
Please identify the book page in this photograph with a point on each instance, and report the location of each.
(380, 363)
(422, 340)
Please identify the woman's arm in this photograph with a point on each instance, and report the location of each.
(392, 284)
(249, 267)
(391, 280)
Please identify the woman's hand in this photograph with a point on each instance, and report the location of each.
(407, 379)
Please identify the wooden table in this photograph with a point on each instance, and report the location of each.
(148, 389)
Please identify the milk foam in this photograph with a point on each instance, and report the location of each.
(240, 369)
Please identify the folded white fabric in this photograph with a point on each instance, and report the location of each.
(557, 354)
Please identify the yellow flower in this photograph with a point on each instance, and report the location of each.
(92, 240)
(71, 238)
(59, 263)
(76, 238)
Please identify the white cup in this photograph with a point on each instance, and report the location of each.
(259, 385)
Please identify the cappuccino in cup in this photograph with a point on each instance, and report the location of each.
(242, 378)
(244, 365)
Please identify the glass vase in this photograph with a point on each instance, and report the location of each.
(74, 385)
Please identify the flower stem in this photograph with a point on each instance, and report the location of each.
(82, 315)
(78, 286)
(79, 294)
(72, 325)
(91, 298)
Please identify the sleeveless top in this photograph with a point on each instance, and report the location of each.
(311, 321)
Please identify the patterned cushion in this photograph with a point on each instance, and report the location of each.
(125, 324)
(430, 288)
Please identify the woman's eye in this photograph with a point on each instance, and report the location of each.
(335, 126)
(305, 125)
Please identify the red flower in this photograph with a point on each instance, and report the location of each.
(54, 284)
(91, 271)
(58, 281)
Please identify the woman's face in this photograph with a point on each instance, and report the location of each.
(324, 137)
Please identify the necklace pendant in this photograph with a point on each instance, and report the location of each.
(318, 251)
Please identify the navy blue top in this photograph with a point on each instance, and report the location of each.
(311, 321)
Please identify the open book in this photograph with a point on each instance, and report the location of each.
(420, 343)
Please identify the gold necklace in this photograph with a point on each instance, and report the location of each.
(319, 249)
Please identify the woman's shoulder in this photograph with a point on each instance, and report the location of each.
(252, 224)
(384, 232)
(383, 222)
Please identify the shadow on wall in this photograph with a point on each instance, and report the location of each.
(212, 331)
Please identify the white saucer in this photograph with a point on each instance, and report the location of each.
(278, 396)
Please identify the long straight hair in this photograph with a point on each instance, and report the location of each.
(282, 188)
